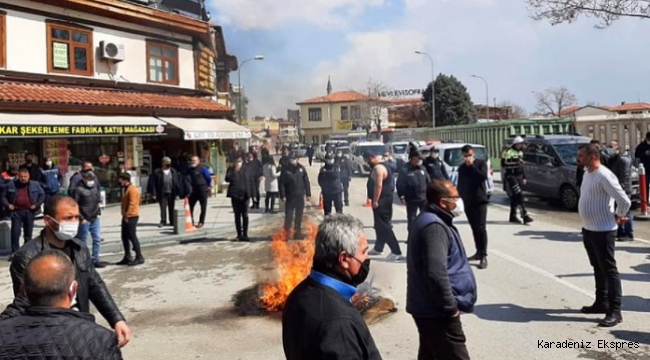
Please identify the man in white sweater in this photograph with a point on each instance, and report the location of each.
(599, 225)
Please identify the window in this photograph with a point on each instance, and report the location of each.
(162, 63)
(345, 114)
(69, 50)
(315, 114)
(355, 112)
(454, 156)
(3, 40)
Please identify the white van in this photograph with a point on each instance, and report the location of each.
(359, 149)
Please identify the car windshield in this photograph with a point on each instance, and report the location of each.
(345, 150)
(399, 149)
(377, 149)
(568, 152)
(454, 157)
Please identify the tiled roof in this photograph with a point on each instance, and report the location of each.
(69, 95)
(403, 102)
(570, 110)
(630, 107)
(336, 97)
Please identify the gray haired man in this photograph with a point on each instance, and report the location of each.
(319, 321)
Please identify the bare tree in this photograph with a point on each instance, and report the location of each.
(374, 108)
(553, 100)
(606, 11)
(516, 111)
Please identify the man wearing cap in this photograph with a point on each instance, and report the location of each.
(512, 162)
(412, 186)
(294, 188)
(435, 167)
(165, 186)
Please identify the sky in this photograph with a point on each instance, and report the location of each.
(356, 41)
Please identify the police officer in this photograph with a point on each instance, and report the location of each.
(412, 186)
(345, 166)
(512, 162)
(329, 179)
(435, 167)
(294, 187)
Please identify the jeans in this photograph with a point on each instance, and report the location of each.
(477, 217)
(167, 204)
(600, 246)
(626, 229)
(94, 228)
(335, 198)
(412, 208)
(130, 236)
(21, 220)
(199, 195)
(382, 216)
(441, 339)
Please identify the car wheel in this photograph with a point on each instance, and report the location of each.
(569, 198)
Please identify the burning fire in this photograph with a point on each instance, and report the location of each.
(293, 261)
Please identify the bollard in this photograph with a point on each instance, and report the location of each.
(179, 221)
(643, 194)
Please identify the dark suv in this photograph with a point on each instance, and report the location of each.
(551, 165)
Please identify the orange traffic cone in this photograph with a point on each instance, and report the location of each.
(320, 202)
(368, 203)
(189, 226)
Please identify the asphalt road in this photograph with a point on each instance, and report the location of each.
(179, 303)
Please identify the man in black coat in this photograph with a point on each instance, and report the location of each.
(621, 166)
(294, 187)
(345, 166)
(472, 175)
(240, 189)
(435, 167)
(50, 329)
(329, 179)
(412, 187)
(165, 186)
(256, 170)
(61, 224)
(319, 321)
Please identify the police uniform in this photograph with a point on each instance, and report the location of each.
(512, 165)
(412, 188)
(294, 187)
(329, 179)
(346, 174)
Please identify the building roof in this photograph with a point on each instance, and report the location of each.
(630, 107)
(25, 93)
(569, 110)
(337, 97)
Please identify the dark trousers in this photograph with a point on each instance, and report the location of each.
(311, 159)
(240, 208)
(441, 339)
(200, 196)
(130, 237)
(256, 196)
(412, 208)
(269, 200)
(600, 247)
(517, 199)
(335, 198)
(167, 204)
(21, 220)
(477, 217)
(346, 193)
(294, 209)
(383, 216)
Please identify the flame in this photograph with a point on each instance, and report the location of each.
(293, 260)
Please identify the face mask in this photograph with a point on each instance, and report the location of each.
(238, 164)
(67, 230)
(648, 141)
(329, 162)
(90, 183)
(293, 162)
(362, 275)
(194, 165)
(339, 155)
(460, 208)
(48, 163)
(434, 155)
(419, 162)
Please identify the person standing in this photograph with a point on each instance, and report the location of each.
(271, 176)
(310, 153)
(440, 282)
(165, 186)
(434, 165)
(345, 166)
(23, 198)
(89, 199)
(130, 217)
(284, 159)
(35, 172)
(78, 176)
(319, 320)
(412, 187)
(294, 187)
(512, 163)
(642, 155)
(10, 173)
(256, 170)
(472, 175)
(621, 166)
(599, 226)
(380, 191)
(329, 179)
(240, 189)
(235, 153)
(52, 179)
(201, 185)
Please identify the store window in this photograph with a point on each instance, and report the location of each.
(69, 49)
(103, 153)
(162, 63)
(12, 151)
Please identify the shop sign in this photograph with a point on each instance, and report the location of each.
(399, 93)
(213, 135)
(81, 130)
(342, 125)
(60, 55)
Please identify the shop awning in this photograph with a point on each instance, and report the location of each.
(209, 129)
(46, 125)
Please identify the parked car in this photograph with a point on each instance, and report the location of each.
(320, 153)
(550, 165)
(358, 151)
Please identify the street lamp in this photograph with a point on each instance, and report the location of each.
(239, 97)
(433, 97)
(487, 97)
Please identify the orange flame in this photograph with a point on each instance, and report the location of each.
(293, 261)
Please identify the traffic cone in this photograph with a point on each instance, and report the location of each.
(189, 226)
(320, 202)
(368, 203)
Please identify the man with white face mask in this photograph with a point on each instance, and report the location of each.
(435, 167)
(61, 224)
(88, 197)
(412, 187)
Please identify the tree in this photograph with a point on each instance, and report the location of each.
(553, 100)
(516, 111)
(374, 109)
(606, 11)
(453, 103)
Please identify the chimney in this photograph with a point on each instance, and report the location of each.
(622, 102)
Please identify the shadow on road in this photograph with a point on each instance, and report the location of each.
(642, 338)
(517, 314)
(634, 249)
(551, 235)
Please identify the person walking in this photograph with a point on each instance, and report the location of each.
(440, 282)
(23, 198)
(284, 159)
(130, 217)
(52, 179)
(345, 166)
(165, 186)
(271, 176)
(235, 153)
(380, 191)
(200, 181)
(512, 163)
(319, 320)
(412, 187)
(329, 180)
(621, 166)
(256, 170)
(310, 153)
(434, 165)
(599, 226)
(472, 175)
(89, 199)
(294, 188)
(240, 189)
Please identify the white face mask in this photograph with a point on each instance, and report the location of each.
(420, 162)
(339, 155)
(90, 183)
(434, 155)
(238, 164)
(67, 230)
(48, 163)
(460, 208)
(293, 162)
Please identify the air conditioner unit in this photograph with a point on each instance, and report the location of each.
(111, 51)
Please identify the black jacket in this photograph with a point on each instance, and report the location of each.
(180, 184)
(255, 169)
(294, 182)
(35, 172)
(88, 200)
(241, 184)
(471, 182)
(436, 169)
(56, 334)
(345, 165)
(91, 286)
(329, 179)
(412, 183)
(621, 166)
(75, 180)
(318, 323)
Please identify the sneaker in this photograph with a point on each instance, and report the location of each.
(514, 219)
(395, 258)
(374, 252)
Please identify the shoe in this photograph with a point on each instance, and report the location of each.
(245, 238)
(395, 257)
(474, 257)
(199, 225)
(611, 320)
(99, 264)
(299, 236)
(594, 309)
(483, 264)
(374, 252)
(347, 203)
(273, 212)
(625, 238)
(137, 261)
(162, 223)
(124, 261)
(527, 219)
(10, 258)
(514, 219)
